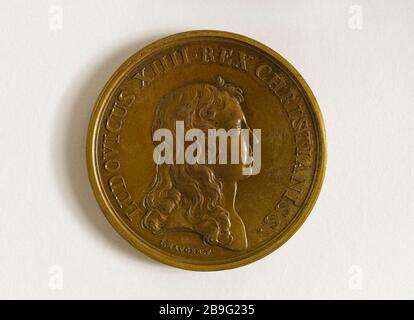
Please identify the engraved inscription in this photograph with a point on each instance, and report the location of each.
(157, 67)
(189, 55)
(301, 176)
(184, 249)
(110, 154)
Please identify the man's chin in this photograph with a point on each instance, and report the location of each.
(247, 172)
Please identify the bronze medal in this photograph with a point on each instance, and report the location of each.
(158, 168)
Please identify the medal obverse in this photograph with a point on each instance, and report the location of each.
(206, 150)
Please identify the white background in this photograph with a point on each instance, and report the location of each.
(358, 241)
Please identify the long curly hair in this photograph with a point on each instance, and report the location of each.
(193, 189)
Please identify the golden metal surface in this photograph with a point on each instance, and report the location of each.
(206, 216)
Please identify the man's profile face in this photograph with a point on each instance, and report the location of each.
(231, 117)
